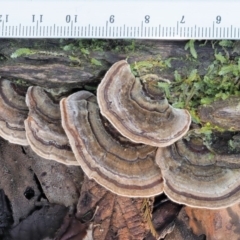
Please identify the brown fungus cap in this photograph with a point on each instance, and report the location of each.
(13, 112)
(223, 113)
(138, 109)
(196, 177)
(123, 167)
(43, 127)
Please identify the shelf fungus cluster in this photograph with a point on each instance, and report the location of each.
(196, 177)
(129, 139)
(43, 127)
(13, 112)
(139, 110)
(123, 167)
(122, 130)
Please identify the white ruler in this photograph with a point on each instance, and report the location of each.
(135, 19)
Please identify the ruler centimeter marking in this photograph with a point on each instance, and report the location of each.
(134, 19)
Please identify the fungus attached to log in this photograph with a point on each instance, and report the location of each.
(123, 167)
(223, 113)
(196, 177)
(138, 109)
(43, 127)
(13, 112)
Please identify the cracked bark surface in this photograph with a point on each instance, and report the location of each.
(22, 171)
(60, 184)
(16, 177)
(50, 66)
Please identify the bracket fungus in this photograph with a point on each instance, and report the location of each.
(138, 109)
(123, 167)
(13, 111)
(43, 127)
(223, 113)
(196, 177)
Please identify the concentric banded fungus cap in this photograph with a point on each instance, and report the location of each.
(43, 127)
(196, 177)
(123, 167)
(13, 112)
(223, 113)
(138, 110)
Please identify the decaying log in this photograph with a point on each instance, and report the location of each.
(80, 64)
(45, 63)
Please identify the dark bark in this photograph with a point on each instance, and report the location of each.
(49, 65)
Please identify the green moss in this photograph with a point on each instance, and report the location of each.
(85, 46)
(190, 88)
(21, 82)
(131, 47)
(26, 52)
(190, 45)
(96, 62)
(151, 65)
(165, 87)
(226, 43)
(22, 52)
(69, 47)
(75, 60)
(220, 82)
(84, 51)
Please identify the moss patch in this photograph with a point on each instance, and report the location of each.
(189, 91)
(22, 52)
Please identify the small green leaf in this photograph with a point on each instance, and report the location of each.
(222, 95)
(206, 130)
(210, 68)
(22, 52)
(228, 69)
(226, 43)
(168, 62)
(145, 64)
(84, 51)
(235, 70)
(165, 87)
(192, 76)
(69, 47)
(206, 100)
(178, 104)
(195, 117)
(96, 62)
(220, 58)
(177, 76)
(198, 85)
(190, 45)
(75, 59)
(231, 144)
